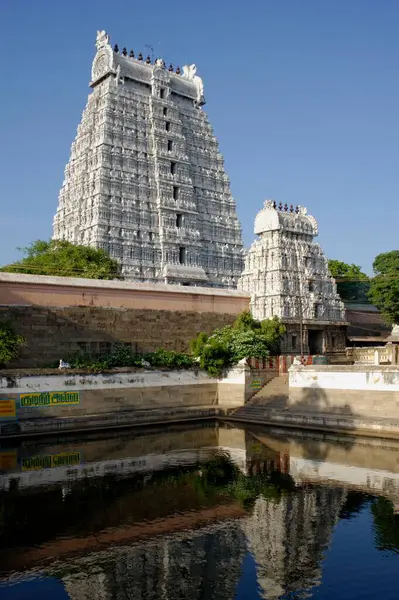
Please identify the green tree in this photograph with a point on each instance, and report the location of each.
(384, 288)
(273, 330)
(63, 259)
(342, 270)
(352, 284)
(245, 321)
(10, 344)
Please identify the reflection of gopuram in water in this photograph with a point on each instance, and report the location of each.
(287, 538)
(201, 565)
(153, 540)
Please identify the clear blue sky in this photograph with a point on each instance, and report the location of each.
(303, 96)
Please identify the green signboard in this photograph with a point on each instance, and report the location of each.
(42, 399)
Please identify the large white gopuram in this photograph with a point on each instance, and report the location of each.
(286, 273)
(145, 180)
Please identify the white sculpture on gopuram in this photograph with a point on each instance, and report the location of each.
(287, 275)
(189, 71)
(145, 180)
(102, 39)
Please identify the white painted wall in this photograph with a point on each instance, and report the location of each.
(65, 381)
(345, 379)
(145, 379)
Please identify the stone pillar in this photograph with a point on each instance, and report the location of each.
(393, 341)
(376, 357)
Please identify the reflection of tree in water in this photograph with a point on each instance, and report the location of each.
(354, 503)
(386, 525)
(222, 473)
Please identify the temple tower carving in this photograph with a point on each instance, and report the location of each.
(145, 180)
(286, 273)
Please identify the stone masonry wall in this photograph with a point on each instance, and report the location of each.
(54, 333)
(357, 390)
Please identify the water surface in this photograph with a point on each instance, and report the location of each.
(200, 512)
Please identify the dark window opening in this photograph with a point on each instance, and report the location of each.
(311, 286)
(175, 192)
(170, 145)
(162, 93)
(179, 220)
(173, 168)
(182, 256)
(294, 342)
(333, 341)
(165, 111)
(185, 284)
(167, 126)
(151, 236)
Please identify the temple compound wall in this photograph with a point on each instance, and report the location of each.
(368, 391)
(145, 180)
(61, 317)
(286, 273)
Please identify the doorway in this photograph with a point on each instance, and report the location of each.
(315, 341)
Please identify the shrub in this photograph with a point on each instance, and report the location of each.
(122, 356)
(245, 321)
(248, 343)
(169, 359)
(214, 355)
(247, 337)
(198, 343)
(10, 344)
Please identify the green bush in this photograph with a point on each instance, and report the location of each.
(122, 356)
(169, 359)
(215, 355)
(246, 338)
(198, 343)
(10, 344)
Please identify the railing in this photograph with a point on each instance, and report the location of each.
(281, 364)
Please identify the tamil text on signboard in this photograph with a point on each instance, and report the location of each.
(43, 399)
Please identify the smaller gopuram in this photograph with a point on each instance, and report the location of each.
(286, 273)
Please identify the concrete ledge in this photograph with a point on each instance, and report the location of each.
(339, 423)
(132, 418)
(20, 278)
(357, 368)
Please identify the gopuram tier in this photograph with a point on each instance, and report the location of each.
(145, 180)
(286, 274)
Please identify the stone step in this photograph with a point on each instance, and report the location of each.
(273, 395)
(338, 422)
(278, 383)
(127, 418)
